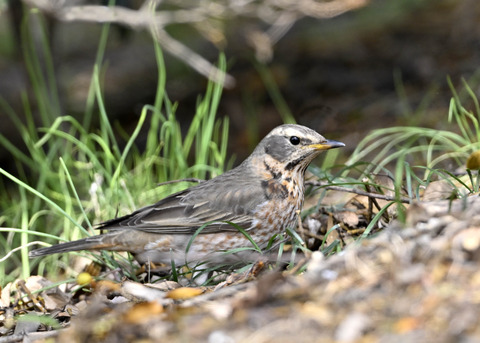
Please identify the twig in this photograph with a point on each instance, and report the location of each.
(311, 234)
(23, 286)
(356, 231)
(191, 58)
(298, 266)
(357, 191)
(301, 229)
(375, 202)
(279, 17)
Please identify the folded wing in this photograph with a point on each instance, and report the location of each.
(188, 210)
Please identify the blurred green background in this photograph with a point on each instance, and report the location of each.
(380, 65)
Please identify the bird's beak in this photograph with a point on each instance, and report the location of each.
(328, 144)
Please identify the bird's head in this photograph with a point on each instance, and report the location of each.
(294, 146)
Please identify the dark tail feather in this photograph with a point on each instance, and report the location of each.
(89, 243)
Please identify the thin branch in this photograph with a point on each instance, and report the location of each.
(191, 58)
(144, 19)
(279, 15)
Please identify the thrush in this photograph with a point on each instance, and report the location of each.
(262, 197)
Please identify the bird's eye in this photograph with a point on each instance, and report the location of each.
(294, 140)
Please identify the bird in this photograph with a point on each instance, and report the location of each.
(257, 200)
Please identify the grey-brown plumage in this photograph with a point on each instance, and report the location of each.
(262, 196)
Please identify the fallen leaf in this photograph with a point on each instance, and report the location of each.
(5, 297)
(447, 188)
(107, 286)
(143, 312)
(349, 218)
(332, 237)
(137, 292)
(406, 324)
(184, 293)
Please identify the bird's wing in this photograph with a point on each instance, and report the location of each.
(186, 211)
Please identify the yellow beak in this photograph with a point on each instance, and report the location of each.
(328, 144)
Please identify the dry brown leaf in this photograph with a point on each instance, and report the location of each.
(438, 190)
(446, 188)
(349, 218)
(332, 236)
(5, 296)
(317, 311)
(386, 184)
(406, 324)
(142, 312)
(140, 293)
(184, 293)
(26, 294)
(37, 282)
(164, 285)
(107, 286)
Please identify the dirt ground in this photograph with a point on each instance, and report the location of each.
(417, 282)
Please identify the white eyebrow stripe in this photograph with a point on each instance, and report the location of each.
(292, 132)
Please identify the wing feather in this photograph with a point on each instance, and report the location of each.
(188, 210)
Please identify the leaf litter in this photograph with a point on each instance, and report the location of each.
(418, 281)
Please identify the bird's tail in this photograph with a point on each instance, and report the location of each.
(89, 243)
